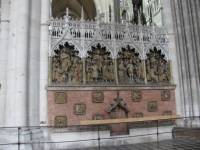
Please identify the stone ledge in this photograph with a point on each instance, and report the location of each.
(111, 88)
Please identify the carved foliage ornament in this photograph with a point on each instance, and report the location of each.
(60, 121)
(157, 68)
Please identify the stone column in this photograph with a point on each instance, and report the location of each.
(16, 102)
(115, 70)
(117, 10)
(84, 70)
(186, 22)
(4, 30)
(44, 48)
(168, 24)
(144, 70)
(34, 63)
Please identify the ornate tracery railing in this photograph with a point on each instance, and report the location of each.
(84, 52)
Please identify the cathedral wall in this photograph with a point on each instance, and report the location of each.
(4, 25)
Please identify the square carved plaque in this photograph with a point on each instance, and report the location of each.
(165, 95)
(60, 121)
(152, 106)
(98, 96)
(98, 117)
(60, 97)
(80, 109)
(136, 95)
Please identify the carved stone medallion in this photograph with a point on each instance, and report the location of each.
(152, 106)
(60, 121)
(165, 95)
(80, 109)
(98, 117)
(98, 97)
(60, 97)
(136, 95)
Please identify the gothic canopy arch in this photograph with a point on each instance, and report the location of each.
(74, 6)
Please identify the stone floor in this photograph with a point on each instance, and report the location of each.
(178, 144)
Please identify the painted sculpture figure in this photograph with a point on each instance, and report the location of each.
(67, 67)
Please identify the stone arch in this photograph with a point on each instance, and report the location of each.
(102, 44)
(158, 47)
(76, 46)
(132, 46)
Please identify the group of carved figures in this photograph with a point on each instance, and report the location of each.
(129, 66)
(67, 66)
(100, 68)
(157, 68)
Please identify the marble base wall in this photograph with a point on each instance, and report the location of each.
(84, 96)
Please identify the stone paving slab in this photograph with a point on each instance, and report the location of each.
(176, 144)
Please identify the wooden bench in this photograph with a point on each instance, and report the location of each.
(128, 120)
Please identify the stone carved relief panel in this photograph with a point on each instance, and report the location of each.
(118, 108)
(136, 95)
(152, 106)
(130, 68)
(157, 68)
(60, 97)
(99, 66)
(100, 69)
(165, 95)
(67, 66)
(80, 109)
(98, 96)
(60, 121)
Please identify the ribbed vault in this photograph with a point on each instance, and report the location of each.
(74, 6)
